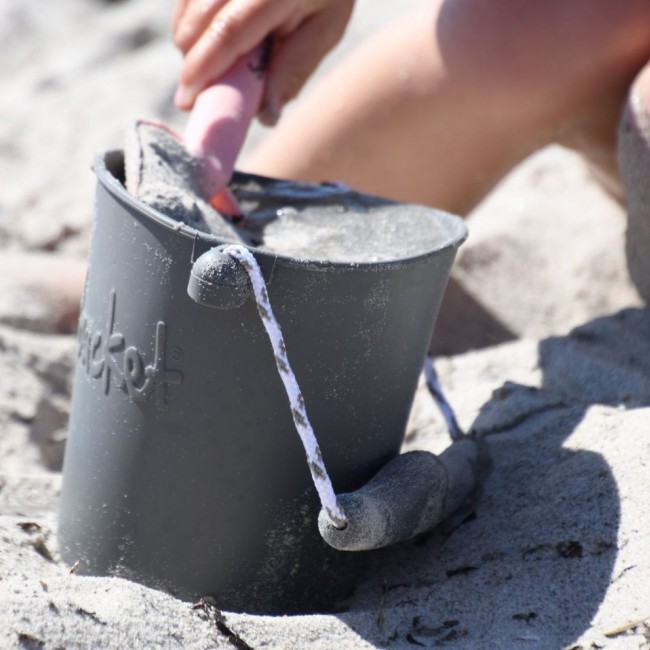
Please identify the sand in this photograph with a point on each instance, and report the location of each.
(556, 553)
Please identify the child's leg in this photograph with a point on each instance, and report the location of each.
(439, 105)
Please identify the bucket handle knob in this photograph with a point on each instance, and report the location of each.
(218, 280)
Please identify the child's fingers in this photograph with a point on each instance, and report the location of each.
(296, 57)
(213, 34)
(178, 13)
(193, 20)
(236, 29)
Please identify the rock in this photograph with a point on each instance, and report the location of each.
(634, 163)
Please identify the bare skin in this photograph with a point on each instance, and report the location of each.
(212, 34)
(439, 105)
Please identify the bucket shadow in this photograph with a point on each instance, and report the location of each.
(535, 559)
(464, 324)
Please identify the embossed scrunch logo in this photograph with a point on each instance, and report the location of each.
(106, 356)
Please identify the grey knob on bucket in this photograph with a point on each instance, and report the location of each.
(217, 280)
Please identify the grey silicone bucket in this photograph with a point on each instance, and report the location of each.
(183, 470)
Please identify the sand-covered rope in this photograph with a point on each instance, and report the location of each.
(319, 474)
(443, 404)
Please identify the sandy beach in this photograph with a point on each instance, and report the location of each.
(543, 346)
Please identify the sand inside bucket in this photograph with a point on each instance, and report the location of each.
(326, 222)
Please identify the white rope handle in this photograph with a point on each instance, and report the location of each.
(319, 474)
(431, 377)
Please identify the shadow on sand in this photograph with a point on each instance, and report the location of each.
(535, 559)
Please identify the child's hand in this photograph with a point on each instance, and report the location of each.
(213, 34)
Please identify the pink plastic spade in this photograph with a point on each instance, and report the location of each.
(218, 125)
